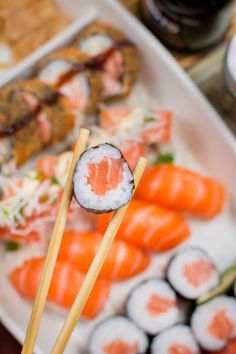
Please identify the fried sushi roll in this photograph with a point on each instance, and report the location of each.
(102, 180)
(67, 70)
(32, 116)
(116, 55)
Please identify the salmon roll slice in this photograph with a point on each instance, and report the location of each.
(214, 323)
(65, 284)
(149, 226)
(149, 126)
(178, 339)
(67, 70)
(192, 273)
(118, 335)
(180, 189)
(32, 117)
(123, 260)
(115, 54)
(102, 180)
(153, 306)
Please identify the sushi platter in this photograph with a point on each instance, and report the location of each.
(174, 257)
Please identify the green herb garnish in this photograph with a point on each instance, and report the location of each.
(34, 175)
(12, 246)
(5, 211)
(164, 158)
(54, 180)
(149, 119)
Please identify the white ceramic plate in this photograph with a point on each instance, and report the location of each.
(203, 141)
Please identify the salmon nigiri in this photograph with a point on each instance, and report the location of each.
(183, 190)
(64, 287)
(123, 261)
(149, 226)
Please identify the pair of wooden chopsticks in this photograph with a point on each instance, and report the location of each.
(53, 250)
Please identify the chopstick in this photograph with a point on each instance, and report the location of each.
(94, 270)
(53, 249)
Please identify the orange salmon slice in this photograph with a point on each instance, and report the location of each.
(105, 175)
(120, 347)
(180, 349)
(198, 272)
(221, 327)
(158, 305)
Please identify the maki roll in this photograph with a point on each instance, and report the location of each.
(32, 116)
(214, 323)
(118, 335)
(102, 180)
(178, 339)
(153, 306)
(116, 56)
(67, 70)
(192, 273)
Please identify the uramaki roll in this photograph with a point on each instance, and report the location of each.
(116, 55)
(32, 116)
(67, 70)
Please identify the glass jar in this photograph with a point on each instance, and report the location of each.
(187, 25)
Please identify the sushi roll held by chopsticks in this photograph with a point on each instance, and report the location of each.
(103, 180)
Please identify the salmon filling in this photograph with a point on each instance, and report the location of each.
(198, 272)
(221, 327)
(119, 346)
(180, 349)
(158, 304)
(102, 180)
(105, 175)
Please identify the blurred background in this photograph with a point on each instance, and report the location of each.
(197, 32)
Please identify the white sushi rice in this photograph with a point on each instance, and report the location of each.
(6, 55)
(203, 317)
(180, 282)
(96, 44)
(138, 301)
(51, 73)
(117, 329)
(113, 198)
(77, 89)
(180, 336)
